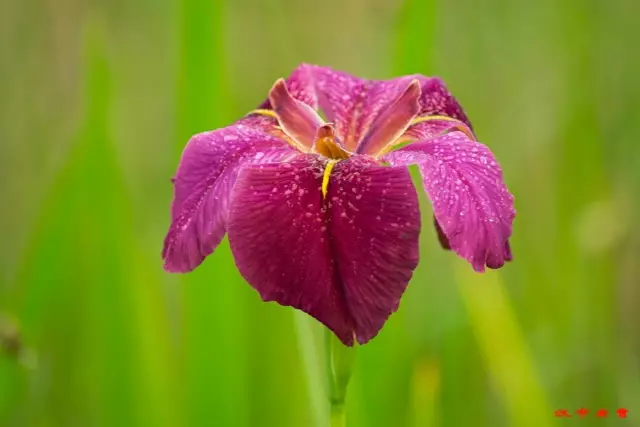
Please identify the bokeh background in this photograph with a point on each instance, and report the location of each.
(99, 97)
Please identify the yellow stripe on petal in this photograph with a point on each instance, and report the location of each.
(276, 130)
(460, 125)
(325, 177)
(264, 112)
(427, 118)
(457, 124)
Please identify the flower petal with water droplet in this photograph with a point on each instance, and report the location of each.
(346, 258)
(471, 203)
(206, 174)
(353, 104)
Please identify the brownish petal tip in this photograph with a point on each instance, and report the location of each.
(278, 90)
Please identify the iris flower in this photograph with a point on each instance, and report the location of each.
(322, 215)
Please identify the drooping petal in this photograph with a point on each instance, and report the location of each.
(442, 238)
(471, 203)
(375, 229)
(280, 240)
(345, 258)
(206, 174)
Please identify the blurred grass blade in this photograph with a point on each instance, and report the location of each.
(425, 386)
(509, 363)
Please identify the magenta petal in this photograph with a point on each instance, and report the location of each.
(280, 240)
(340, 96)
(353, 104)
(437, 100)
(202, 185)
(344, 259)
(301, 86)
(435, 128)
(434, 99)
(378, 97)
(392, 122)
(471, 203)
(375, 226)
(296, 118)
(442, 238)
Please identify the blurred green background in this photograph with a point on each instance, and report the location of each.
(98, 99)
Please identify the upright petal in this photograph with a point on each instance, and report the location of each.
(440, 113)
(297, 119)
(340, 97)
(436, 100)
(378, 97)
(336, 93)
(353, 104)
(301, 85)
(206, 174)
(345, 258)
(393, 121)
(472, 206)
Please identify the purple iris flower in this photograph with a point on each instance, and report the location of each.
(322, 215)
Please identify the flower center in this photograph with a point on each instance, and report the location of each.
(326, 143)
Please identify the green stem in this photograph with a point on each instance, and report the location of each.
(311, 357)
(339, 359)
(338, 416)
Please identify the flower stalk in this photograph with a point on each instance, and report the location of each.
(340, 360)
